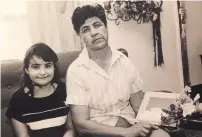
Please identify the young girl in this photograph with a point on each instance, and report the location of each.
(38, 108)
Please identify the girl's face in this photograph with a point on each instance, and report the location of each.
(39, 71)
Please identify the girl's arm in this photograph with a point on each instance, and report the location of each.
(20, 128)
(70, 128)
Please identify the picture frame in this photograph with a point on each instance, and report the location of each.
(153, 102)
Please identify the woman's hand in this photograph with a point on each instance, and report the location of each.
(141, 129)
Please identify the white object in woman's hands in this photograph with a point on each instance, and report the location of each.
(151, 116)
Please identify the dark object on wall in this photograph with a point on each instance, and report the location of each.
(158, 58)
(182, 24)
(142, 12)
(201, 58)
(123, 51)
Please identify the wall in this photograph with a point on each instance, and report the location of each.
(137, 40)
(194, 40)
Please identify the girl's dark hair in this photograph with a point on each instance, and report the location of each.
(81, 14)
(44, 52)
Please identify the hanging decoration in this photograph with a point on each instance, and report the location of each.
(141, 12)
(182, 24)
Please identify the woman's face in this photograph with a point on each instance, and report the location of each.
(39, 71)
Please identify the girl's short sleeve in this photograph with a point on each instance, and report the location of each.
(15, 108)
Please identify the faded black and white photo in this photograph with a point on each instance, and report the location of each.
(121, 68)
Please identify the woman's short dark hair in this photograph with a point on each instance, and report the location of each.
(81, 14)
(44, 52)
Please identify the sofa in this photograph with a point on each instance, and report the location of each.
(11, 71)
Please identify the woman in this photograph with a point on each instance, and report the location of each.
(38, 108)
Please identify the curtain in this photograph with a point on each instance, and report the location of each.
(14, 31)
(24, 23)
(50, 21)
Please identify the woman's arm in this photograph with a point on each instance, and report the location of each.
(136, 100)
(83, 125)
(20, 128)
